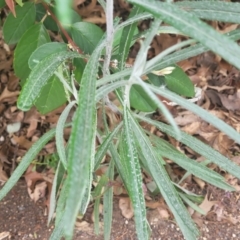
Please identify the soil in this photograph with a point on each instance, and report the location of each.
(22, 219)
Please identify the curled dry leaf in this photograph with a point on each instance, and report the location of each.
(231, 102)
(206, 205)
(126, 208)
(3, 175)
(21, 141)
(8, 96)
(38, 192)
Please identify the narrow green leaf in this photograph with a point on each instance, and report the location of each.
(213, 10)
(82, 143)
(104, 90)
(190, 25)
(60, 133)
(108, 204)
(25, 162)
(198, 146)
(39, 77)
(45, 51)
(97, 196)
(132, 172)
(34, 37)
(104, 146)
(53, 193)
(215, 121)
(163, 182)
(126, 39)
(191, 204)
(86, 35)
(185, 53)
(179, 82)
(14, 28)
(140, 100)
(59, 220)
(167, 60)
(192, 166)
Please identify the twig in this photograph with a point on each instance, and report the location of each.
(70, 41)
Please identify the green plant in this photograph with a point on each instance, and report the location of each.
(51, 74)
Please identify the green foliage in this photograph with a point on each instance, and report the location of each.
(33, 38)
(53, 73)
(14, 28)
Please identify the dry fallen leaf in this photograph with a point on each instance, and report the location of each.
(4, 235)
(126, 208)
(3, 175)
(39, 191)
(206, 205)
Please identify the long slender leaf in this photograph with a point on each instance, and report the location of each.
(191, 204)
(190, 25)
(167, 60)
(53, 194)
(215, 121)
(82, 144)
(192, 166)
(104, 146)
(108, 204)
(39, 76)
(210, 10)
(96, 195)
(25, 162)
(197, 146)
(59, 133)
(126, 39)
(132, 171)
(163, 182)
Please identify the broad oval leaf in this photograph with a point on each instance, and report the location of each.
(39, 76)
(51, 96)
(14, 28)
(44, 51)
(34, 37)
(140, 100)
(179, 82)
(2, 3)
(86, 35)
(49, 23)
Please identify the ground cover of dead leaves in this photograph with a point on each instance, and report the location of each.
(220, 84)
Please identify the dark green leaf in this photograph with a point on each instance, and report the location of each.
(126, 39)
(49, 23)
(14, 28)
(34, 37)
(2, 3)
(51, 96)
(86, 35)
(179, 82)
(39, 77)
(140, 100)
